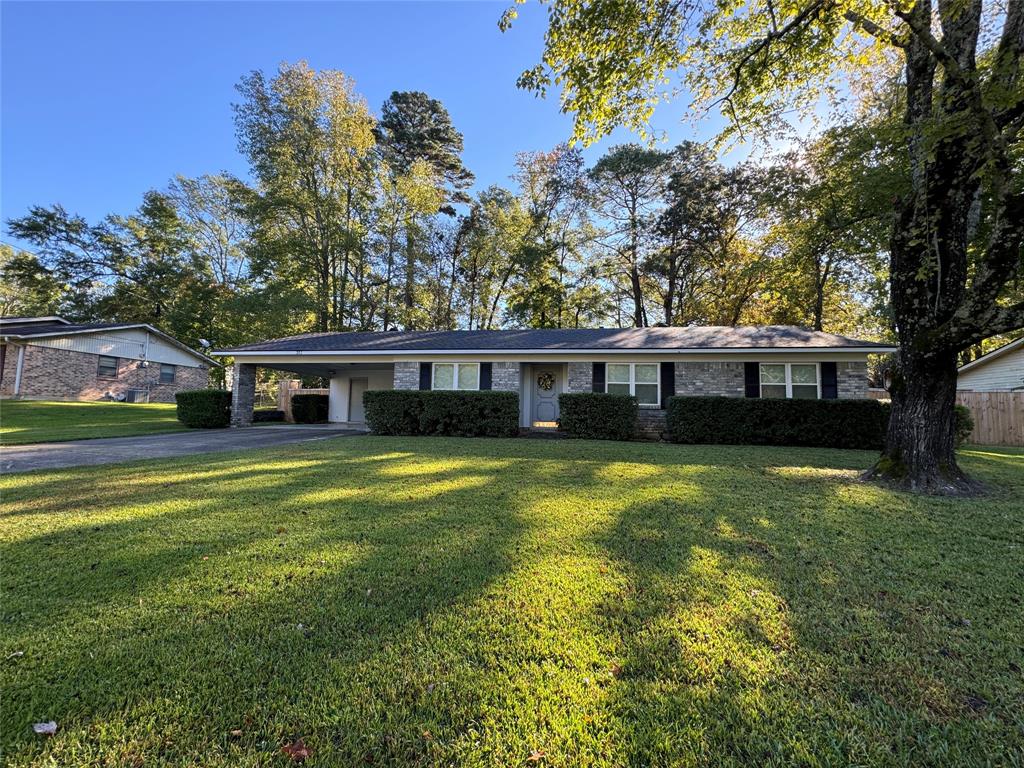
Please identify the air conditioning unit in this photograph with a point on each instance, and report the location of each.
(136, 396)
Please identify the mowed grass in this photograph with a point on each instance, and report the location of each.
(511, 602)
(36, 421)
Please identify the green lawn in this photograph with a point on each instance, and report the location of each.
(472, 602)
(35, 421)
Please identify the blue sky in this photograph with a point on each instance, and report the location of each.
(103, 101)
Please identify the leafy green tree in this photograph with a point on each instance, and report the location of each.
(832, 201)
(27, 288)
(708, 266)
(626, 187)
(556, 248)
(956, 236)
(309, 138)
(414, 127)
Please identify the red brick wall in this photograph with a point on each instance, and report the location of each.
(62, 374)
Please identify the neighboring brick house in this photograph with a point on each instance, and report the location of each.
(652, 364)
(48, 358)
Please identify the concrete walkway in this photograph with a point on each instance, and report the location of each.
(112, 450)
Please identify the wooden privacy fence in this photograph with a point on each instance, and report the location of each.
(287, 388)
(998, 416)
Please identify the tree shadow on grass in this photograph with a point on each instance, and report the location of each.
(828, 630)
(460, 601)
(251, 621)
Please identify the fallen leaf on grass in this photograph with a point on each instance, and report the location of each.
(14, 655)
(536, 756)
(296, 751)
(46, 729)
(237, 732)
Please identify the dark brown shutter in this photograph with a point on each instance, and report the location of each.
(425, 370)
(597, 381)
(752, 379)
(668, 382)
(829, 382)
(485, 375)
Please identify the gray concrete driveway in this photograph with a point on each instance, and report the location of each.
(111, 450)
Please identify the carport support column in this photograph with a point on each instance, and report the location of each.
(243, 394)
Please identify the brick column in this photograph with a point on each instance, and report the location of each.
(407, 374)
(581, 377)
(505, 377)
(243, 394)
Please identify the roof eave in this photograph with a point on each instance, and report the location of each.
(870, 350)
(156, 331)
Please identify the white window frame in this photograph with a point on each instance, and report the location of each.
(455, 377)
(789, 378)
(160, 373)
(633, 382)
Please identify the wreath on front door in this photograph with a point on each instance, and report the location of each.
(546, 381)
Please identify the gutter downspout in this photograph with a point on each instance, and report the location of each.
(17, 370)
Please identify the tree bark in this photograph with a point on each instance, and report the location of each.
(920, 450)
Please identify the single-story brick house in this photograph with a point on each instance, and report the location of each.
(48, 358)
(650, 363)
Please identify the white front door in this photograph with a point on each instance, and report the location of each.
(355, 400)
(547, 385)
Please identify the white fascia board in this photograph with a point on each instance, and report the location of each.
(533, 353)
(993, 355)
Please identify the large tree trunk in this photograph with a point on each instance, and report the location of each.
(919, 454)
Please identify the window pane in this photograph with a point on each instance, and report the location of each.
(444, 376)
(618, 373)
(773, 373)
(647, 373)
(467, 375)
(805, 392)
(804, 374)
(647, 394)
(618, 389)
(166, 374)
(773, 390)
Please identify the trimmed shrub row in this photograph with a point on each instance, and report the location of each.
(423, 412)
(204, 408)
(310, 409)
(757, 421)
(597, 416)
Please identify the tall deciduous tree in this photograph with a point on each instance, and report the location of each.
(309, 138)
(956, 238)
(627, 187)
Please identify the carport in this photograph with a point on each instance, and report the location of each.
(348, 382)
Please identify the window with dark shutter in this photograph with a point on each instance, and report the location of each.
(425, 372)
(485, 375)
(597, 378)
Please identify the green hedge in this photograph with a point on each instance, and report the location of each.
(964, 423)
(757, 421)
(466, 414)
(264, 415)
(309, 409)
(597, 416)
(204, 408)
